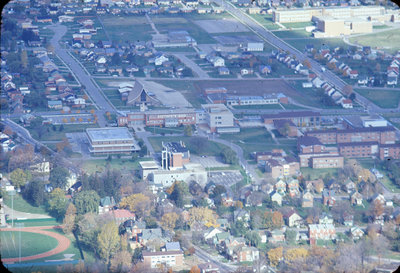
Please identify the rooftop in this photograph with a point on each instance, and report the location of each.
(175, 147)
(101, 134)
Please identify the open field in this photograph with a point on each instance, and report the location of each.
(31, 244)
(386, 40)
(124, 28)
(57, 135)
(382, 98)
(224, 25)
(265, 20)
(318, 173)
(122, 164)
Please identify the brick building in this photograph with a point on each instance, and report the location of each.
(321, 232)
(282, 167)
(174, 155)
(328, 161)
(358, 149)
(299, 118)
(389, 150)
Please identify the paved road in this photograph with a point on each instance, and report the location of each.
(224, 268)
(269, 37)
(93, 91)
(294, 78)
(192, 65)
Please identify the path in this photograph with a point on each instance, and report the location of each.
(153, 26)
(63, 243)
(19, 214)
(192, 65)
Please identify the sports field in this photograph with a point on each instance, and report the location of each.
(31, 244)
(387, 40)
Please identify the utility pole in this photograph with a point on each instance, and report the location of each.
(12, 193)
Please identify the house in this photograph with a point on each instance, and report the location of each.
(293, 187)
(325, 218)
(276, 236)
(315, 185)
(208, 267)
(356, 199)
(307, 200)
(356, 232)
(348, 219)
(54, 104)
(391, 80)
(210, 234)
(149, 234)
(241, 215)
(378, 198)
(347, 103)
(159, 258)
(247, 254)
(321, 232)
(349, 186)
(292, 219)
(334, 185)
(217, 61)
(276, 197)
(280, 186)
(223, 71)
(121, 215)
(106, 204)
(246, 71)
(353, 74)
(363, 80)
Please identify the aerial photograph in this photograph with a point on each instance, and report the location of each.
(200, 136)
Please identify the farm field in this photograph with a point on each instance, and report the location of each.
(387, 40)
(382, 98)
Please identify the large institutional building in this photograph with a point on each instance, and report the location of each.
(111, 141)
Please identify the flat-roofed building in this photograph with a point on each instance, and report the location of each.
(359, 149)
(189, 172)
(299, 118)
(389, 151)
(329, 161)
(174, 155)
(218, 116)
(157, 259)
(147, 167)
(111, 141)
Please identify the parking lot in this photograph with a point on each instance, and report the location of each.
(220, 26)
(79, 143)
(208, 161)
(226, 178)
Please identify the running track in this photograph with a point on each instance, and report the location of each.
(63, 243)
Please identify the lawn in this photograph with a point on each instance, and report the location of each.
(162, 130)
(209, 147)
(292, 34)
(298, 24)
(42, 222)
(31, 244)
(265, 20)
(382, 98)
(58, 135)
(300, 44)
(122, 164)
(21, 205)
(387, 40)
(318, 173)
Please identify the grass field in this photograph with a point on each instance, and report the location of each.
(43, 222)
(122, 164)
(318, 173)
(21, 205)
(125, 28)
(31, 244)
(298, 24)
(382, 98)
(387, 40)
(265, 20)
(56, 135)
(298, 33)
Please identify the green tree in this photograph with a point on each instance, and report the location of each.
(108, 241)
(188, 130)
(179, 193)
(253, 238)
(228, 156)
(58, 177)
(34, 192)
(19, 177)
(116, 59)
(290, 236)
(57, 203)
(87, 201)
(238, 229)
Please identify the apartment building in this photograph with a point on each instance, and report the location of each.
(282, 167)
(382, 135)
(174, 155)
(312, 153)
(327, 161)
(359, 149)
(111, 141)
(157, 259)
(389, 151)
(218, 116)
(163, 118)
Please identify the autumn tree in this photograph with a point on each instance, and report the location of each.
(194, 269)
(348, 89)
(168, 220)
(19, 177)
(275, 255)
(320, 259)
(277, 219)
(202, 215)
(307, 64)
(294, 254)
(108, 241)
(138, 203)
(69, 219)
(121, 261)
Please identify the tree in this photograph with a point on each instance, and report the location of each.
(202, 215)
(275, 255)
(108, 241)
(69, 219)
(290, 236)
(19, 177)
(238, 229)
(116, 59)
(58, 177)
(121, 262)
(87, 201)
(348, 89)
(138, 203)
(228, 156)
(34, 192)
(307, 64)
(168, 220)
(277, 219)
(188, 130)
(253, 238)
(57, 203)
(179, 193)
(24, 59)
(194, 269)
(294, 254)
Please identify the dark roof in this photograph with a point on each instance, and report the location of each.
(308, 141)
(293, 114)
(395, 145)
(175, 147)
